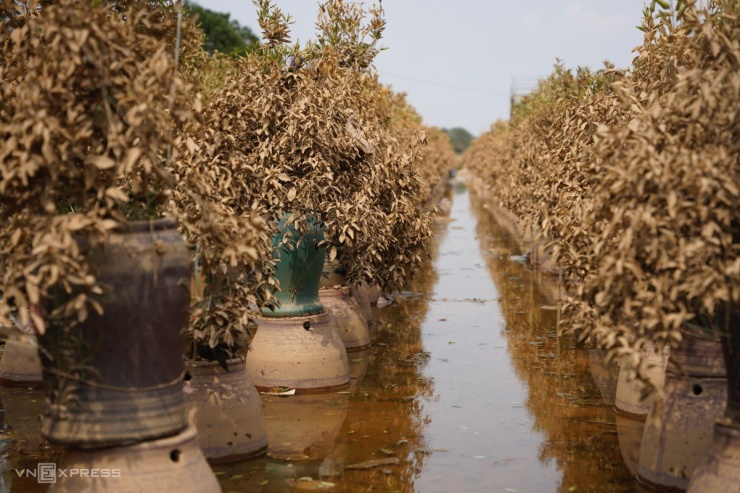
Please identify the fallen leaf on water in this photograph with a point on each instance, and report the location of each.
(309, 484)
(374, 463)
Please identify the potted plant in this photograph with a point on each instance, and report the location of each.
(89, 134)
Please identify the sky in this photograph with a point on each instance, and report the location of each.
(456, 59)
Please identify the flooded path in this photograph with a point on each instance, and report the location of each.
(466, 388)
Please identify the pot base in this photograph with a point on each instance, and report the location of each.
(671, 450)
(301, 353)
(167, 464)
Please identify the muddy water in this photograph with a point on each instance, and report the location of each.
(466, 388)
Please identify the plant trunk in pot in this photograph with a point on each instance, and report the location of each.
(628, 400)
(116, 379)
(296, 345)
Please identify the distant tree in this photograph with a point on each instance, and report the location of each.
(222, 34)
(459, 138)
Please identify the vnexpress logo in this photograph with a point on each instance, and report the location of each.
(47, 472)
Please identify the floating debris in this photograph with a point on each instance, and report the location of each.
(279, 391)
(370, 464)
(309, 484)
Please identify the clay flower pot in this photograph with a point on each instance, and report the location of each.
(301, 353)
(20, 364)
(628, 395)
(168, 464)
(296, 345)
(116, 379)
(675, 444)
(299, 266)
(350, 322)
(719, 470)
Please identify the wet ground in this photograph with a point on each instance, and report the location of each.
(467, 388)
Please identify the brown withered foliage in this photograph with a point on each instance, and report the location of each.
(303, 130)
(665, 216)
(435, 158)
(634, 177)
(89, 112)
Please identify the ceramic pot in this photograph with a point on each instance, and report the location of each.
(299, 266)
(20, 364)
(359, 295)
(628, 396)
(678, 433)
(719, 471)
(350, 323)
(227, 411)
(116, 379)
(301, 353)
(674, 445)
(167, 464)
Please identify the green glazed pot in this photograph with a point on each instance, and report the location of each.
(299, 266)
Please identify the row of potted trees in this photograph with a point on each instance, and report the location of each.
(148, 188)
(631, 178)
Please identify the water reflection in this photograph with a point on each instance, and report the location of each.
(21, 444)
(567, 406)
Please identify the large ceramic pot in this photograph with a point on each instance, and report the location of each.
(359, 295)
(334, 276)
(350, 322)
(678, 433)
(20, 364)
(227, 411)
(719, 470)
(628, 397)
(116, 379)
(297, 345)
(168, 464)
(301, 353)
(298, 269)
